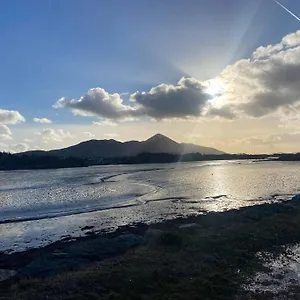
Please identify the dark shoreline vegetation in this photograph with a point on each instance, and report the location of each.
(26, 161)
(200, 257)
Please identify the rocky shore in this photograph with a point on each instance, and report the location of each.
(213, 256)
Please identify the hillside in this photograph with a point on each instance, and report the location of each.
(96, 149)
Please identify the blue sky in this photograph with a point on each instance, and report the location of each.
(53, 48)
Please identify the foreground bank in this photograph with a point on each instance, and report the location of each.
(211, 256)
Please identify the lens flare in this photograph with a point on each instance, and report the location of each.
(214, 87)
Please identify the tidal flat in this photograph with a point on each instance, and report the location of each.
(213, 256)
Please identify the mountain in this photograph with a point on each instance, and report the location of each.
(96, 149)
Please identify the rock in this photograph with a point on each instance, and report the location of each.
(5, 274)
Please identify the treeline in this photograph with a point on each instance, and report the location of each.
(20, 162)
(289, 157)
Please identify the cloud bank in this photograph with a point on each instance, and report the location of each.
(10, 117)
(185, 99)
(54, 135)
(266, 83)
(21, 147)
(5, 133)
(14, 148)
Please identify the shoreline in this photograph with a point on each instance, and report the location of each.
(225, 244)
(285, 157)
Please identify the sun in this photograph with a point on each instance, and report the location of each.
(214, 87)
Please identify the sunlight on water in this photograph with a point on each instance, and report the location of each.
(280, 274)
(38, 207)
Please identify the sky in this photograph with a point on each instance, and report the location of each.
(224, 74)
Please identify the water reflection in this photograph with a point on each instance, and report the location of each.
(137, 193)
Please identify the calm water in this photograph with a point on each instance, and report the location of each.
(41, 206)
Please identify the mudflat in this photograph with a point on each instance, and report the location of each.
(212, 256)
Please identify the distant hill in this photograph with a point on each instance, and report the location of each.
(97, 149)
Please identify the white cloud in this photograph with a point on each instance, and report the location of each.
(28, 140)
(105, 123)
(10, 117)
(272, 139)
(5, 133)
(97, 102)
(224, 111)
(88, 134)
(264, 52)
(264, 84)
(111, 135)
(185, 99)
(21, 147)
(54, 135)
(14, 148)
(42, 120)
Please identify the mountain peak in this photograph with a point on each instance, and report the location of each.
(158, 136)
(158, 143)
